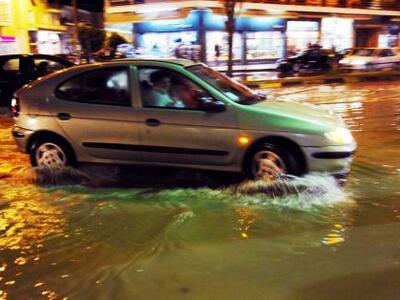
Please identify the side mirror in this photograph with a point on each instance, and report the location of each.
(212, 105)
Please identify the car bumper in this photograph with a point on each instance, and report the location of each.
(334, 160)
(21, 137)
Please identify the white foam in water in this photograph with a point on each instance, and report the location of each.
(301, 193)
(60, 176)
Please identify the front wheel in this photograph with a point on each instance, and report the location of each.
(51, 153)
(269, 162)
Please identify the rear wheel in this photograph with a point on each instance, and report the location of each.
(51, 153)
(268, 162)
(296, 68)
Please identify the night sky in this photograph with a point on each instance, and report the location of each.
(92, 5)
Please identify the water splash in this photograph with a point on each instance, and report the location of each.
(300, 193)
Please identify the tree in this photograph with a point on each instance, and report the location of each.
(115, 39)
(229, 6)
(91, 39)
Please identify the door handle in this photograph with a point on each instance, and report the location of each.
(153, 122)
(64, 116)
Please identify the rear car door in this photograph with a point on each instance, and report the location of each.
(95, 111)
(183, 133)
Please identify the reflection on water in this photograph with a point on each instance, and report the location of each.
(87, 235)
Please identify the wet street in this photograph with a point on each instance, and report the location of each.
(137, 240)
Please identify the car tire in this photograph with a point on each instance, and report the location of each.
(51, 153)
(268, 162)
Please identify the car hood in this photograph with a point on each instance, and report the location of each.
(291, 116)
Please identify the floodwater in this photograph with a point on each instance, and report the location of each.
(82, 235)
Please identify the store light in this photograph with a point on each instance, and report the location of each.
(155, 9)
(275, 11)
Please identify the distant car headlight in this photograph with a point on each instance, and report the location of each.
(340, 136)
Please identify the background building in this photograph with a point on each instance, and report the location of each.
(84, 17)
(265, 30)
(30, 26)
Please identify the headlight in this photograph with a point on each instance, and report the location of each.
(340, 136)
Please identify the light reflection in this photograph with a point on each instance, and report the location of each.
(27, 221)
(335, 236)
(246, 217)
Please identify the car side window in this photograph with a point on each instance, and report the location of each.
(103, 86)
(46, 66)
(11, 65)
(160, 87)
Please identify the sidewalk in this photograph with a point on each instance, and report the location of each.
(247, 68)
(271, 80)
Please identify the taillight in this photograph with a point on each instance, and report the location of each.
(15, 107)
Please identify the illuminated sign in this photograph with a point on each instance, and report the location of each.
(7, 39)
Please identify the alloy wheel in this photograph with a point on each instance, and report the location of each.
(50, 155)
(268, 165)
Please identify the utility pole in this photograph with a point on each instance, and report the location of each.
(75, 35)
(230, 28)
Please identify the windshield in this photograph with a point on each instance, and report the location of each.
(363, 52)
(234, 90)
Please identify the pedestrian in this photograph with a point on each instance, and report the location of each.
(217, 49)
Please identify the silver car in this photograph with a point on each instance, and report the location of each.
(174, 113)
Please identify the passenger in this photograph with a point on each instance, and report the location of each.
(159, 95)
(42, 68)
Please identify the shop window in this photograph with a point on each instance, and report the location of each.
(221, 39)
(332, 38)
(5, 15)
(264, 45)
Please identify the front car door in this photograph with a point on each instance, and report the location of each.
(174, 128)
(387, 58)
(45, 64)
(13, 75)
(94, 109)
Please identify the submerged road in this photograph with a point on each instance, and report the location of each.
(140, 241)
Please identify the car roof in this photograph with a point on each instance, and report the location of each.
(124, 62)
(127, 61)
(181, 62)
(36, 55)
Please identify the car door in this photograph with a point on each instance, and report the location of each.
(45, 64)
(389, 58)
(94, 109)
(183, 133)
(13, 75)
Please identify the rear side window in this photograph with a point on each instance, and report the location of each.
(11, 65)
(104, 86)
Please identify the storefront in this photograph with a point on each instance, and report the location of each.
(255, 38)
(8, 44)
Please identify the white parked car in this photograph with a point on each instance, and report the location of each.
(369, 59)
